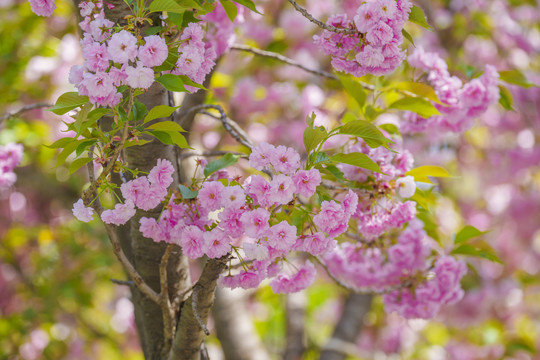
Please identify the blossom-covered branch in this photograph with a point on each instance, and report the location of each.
(319, 23)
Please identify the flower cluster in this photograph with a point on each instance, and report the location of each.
(10, 157)
(379, 212)
(381, 267)
(375, 48)
(42, 7)
(461, 103)
(428, 298)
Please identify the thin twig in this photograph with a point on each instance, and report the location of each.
(166, 309)
(230, 125)
(123, 282)
(197, 316)
(319, 23)
(182, 297)
(24, 109)
(284, 59)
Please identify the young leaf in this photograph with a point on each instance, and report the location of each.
(421, 173)
(487, 253)
(354, 89)
(506, 99)
(416, 104)
(139, 111)
(166, 126)
(68, 149)
(222, 162)
(420, 89)
(187, 193)
(249, 4)
(176, 83)
(515, 77)
(357, 159)
(417, 16)
(97, 114)
(60, 143)
(172, 6)
(468, 232)
(407, 36)
(160, 111)
(78, 163)
(313, 137)
(67, 102)
(230, 9)
(367, 131)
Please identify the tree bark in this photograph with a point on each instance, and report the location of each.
(234, 327)
(296, 314)
(348, 327)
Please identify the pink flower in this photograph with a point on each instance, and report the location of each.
(81, 212)
(255, 251)
(283, 284)
(350, 203)
(150, 229)
(306, 181)
(96, 56)
(282, 236)
(211, 195)
(332, 218)
(42, 7)
(285, 160)
(282, 189)
(217, 243)
(192, 242)
(10, 156)
(122, 47)
(99, 84)
(370, 56)
(406, 186)
(259, 190)
(261, 155)
(139, 77)
(100, 28)
(118, 76)
(161, 174)
(317, 243)
(120, 215)
(380, 34)
(230, 221)
(366, 17)
(255, 222)
(76, 75)
(154, 52)
(190, 60)
(86, 8)
(386, 8)
(142, 194)
(233, 196)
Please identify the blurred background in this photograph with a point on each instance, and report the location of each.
(56, 297)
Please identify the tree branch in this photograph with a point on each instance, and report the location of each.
(319, 23)
(24, 109)
(282, 58)
(166, 309)
(189, 333)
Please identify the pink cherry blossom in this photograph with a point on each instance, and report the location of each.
(261, 155)
(281, 236)
(81, 212)
(211, 195)
(332, 218)
(306, 181)
(285, 160)
(150, 229)
(282, 189)
(233, 196)
(259, 189)
(161, 174)
(230, 221)
(154, 52)
(217, 243)
(122, 47)
(284, 284)
(255, 222)
(120, 215)
(406, 186)
(42, 7)
(139, 77)
(192, 242)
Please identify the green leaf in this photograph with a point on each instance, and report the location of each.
(310, 119)
(170, 138)
(486, 253)
(467, 233)
(313, 137)
(222, 162)
(353, 88)
(416, 104)
(97, 114)
(81, 117)
(420, 89)
(67, 102)
(176, 82)
(418, 17)
(84, 145)
(357, 159)
(506, 99)
(170, 62)
(160, 111)
(187, 193)
(166, 126)
(421, 173)
(171, 6)
(230, 9)
(249, 4)
(515, 77)
(68, 149)
(407, 36)
(338, 174)
(153, 30)
(367, 131)
(60, 143)
(78, 163)
(139, 110)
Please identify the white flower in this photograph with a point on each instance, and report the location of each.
(406, 186)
